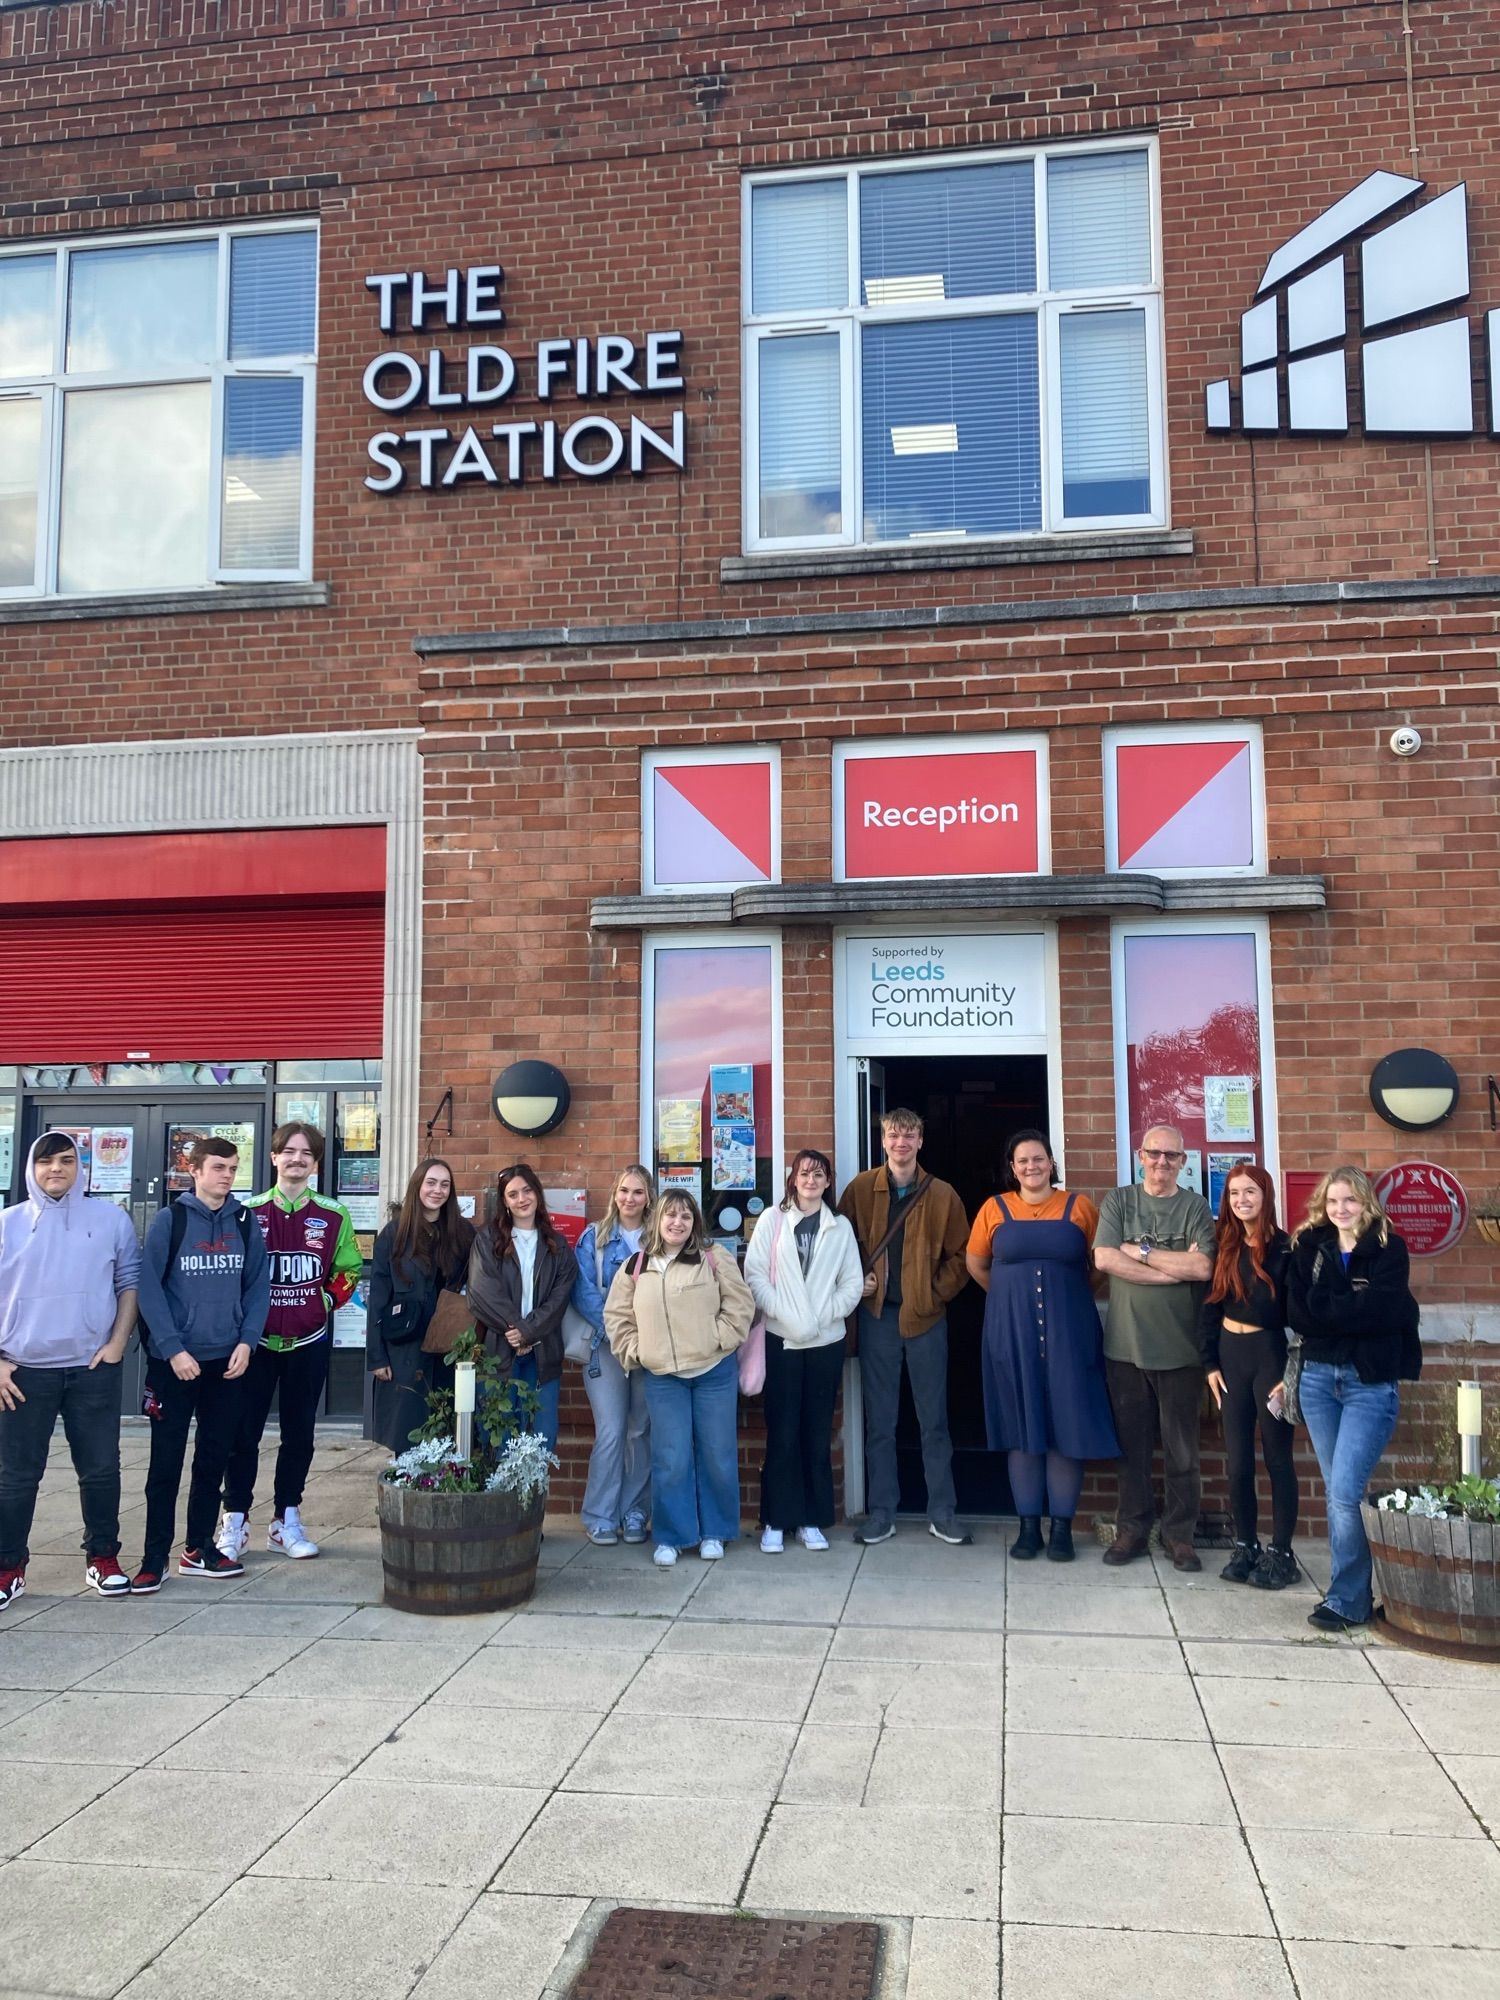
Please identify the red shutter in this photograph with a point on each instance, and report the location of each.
(192, 985)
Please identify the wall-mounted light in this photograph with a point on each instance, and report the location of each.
(1414, 1089)
(531, 1098)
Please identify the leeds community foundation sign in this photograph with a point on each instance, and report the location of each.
(449, 401)
(946, 990)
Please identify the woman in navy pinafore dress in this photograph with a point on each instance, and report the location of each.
(1046, 1405)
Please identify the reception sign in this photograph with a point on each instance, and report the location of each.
(909, 812)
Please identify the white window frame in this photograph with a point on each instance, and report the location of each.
(1268, 1146)
(55, 385)
(1033, 740)
(1045, 304)
(653, 761)
(709, 940)
(1187, 732)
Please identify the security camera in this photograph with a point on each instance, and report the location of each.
(1406, 741)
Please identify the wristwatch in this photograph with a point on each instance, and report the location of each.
(1145, 1246)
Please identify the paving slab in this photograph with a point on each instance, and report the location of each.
(1055, 1962)
(177, 1663)
(1309, 1714)
(34, 1798)
(438, 1745)
(216, 1820)
(737, 1687)
(55, 1943)
(17, 1701)
(684, 1757)
(381, 1621)
(1051, 1701)
(963, 1604)
(1288, 1660)
(1101, 1777)
(89, 1612)
(961, 1768)
(913, 1693)
(773, 1595)
(505, 1948)
(338, 1940)
(365, 1669)
(1411, 1972)
(950, 1960)
(899, 1861)
(327, 1580)
(648, 1593)
(1366, 1888)
(1457, 1721)
(80, 1728)
(450, 1836)
(252, 1617)
(709, 1636)
(1209, 1609)
(915, 1642)
(1075, 1652)
(1134, 1614)
(287, 1735)
(1109, 1875)
(1398, 1791)
(1398, 1667)
(581, 1633)
(636, 1850)
(830, 1765)
(56, 1660)
(1478, 1779)
(516, 1677)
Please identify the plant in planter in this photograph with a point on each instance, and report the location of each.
(1436, 1552)
(463, 1534)
(1484, 1213)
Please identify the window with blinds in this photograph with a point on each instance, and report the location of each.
(961, 347)
(156, 399)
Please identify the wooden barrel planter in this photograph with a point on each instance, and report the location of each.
(448, 1553)
(1439, 1579)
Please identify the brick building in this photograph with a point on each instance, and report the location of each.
(625, 534)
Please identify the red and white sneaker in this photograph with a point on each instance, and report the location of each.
(289, 1535)
(145, 1583)
(105, 1575)
(12, 1584)
(207, 1562)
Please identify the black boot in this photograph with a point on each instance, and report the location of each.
(1060, 1542)
(1240, 1565)
(1028, 1544)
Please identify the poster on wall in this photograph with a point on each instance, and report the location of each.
(363, 1210)
(680, 1180)
(181, 1140)
(113, 1149)
(359, 1175)
(679, 1129)
(1229, 1109)
(733, 1157)
(361, 1124)
(568, 1208)
(242, 1138)
(350, 1320)
(732, 1093)
(1220, 1167)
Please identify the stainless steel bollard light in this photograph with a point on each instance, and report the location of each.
(1470, 1427)
(463, 1408)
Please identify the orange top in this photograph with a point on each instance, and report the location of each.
(988, 1219)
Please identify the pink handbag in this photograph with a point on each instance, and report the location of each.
(753, 1347)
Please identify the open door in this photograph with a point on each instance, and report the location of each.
(870, 1092)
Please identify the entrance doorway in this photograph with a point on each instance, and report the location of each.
(969, 1106)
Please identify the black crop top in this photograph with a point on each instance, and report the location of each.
(1263, 1306)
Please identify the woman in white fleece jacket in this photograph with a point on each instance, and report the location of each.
(804, 1268)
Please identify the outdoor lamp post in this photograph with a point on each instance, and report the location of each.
(463, 1407)
(1470, 1427)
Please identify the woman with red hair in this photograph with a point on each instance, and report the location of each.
(1242, 1334)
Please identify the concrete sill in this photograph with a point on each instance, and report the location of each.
(167, 603)
(1017, 552)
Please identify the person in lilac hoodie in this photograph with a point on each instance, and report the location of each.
(68, 1271)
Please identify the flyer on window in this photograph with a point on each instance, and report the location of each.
(733, 1157)
(359, 1174)
(1220, 1167)
(363, 1210)
(1229, 1109)
(681, 1180)
(679, 1129)
(114, 1155)
(731, 1088)
(349, 1321)
(242, 1138)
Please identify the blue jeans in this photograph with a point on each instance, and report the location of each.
(1350, 1423)
(619, 1481)
(695, 1469)
(523, 1369)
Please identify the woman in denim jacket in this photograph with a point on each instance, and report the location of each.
(617, 1497)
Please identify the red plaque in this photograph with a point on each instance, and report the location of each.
(1426, 1204)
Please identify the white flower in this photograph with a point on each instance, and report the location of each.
(524, 1468)
(417, 1459)
(1429, 1505)
(1394, 1503)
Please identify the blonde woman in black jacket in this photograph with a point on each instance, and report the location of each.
(1349, 1297)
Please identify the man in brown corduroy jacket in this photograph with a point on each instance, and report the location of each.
(904, 1317)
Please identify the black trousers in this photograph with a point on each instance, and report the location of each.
(1252, 1364)
(1148, 1401)
(88, 1401)
(796, 1481)
(215, 1402)
(298, 1377)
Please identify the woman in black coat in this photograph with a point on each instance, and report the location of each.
(1349, 1296)
(422, 1251)
(521, 1276)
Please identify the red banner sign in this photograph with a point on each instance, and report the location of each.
(941, 814)
(1426, 1204)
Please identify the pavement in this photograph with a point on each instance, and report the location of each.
(1059, 1782)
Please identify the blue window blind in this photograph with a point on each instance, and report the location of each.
(799, 246)
(273, 288)
(952, 427)
(262, 494)
(1099, 220)
(1106, 443)
(801, 490)
(26, 293)
(947, 233)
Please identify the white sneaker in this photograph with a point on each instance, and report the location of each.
(234, 1532)
(289, 1535)
(710, 1550)
(772, 1541)
(812, 1538)
(664, 1557)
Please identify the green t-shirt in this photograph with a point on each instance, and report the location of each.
(1155, 1326)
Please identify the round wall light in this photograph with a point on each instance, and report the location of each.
(1414, 1089)
(531, 1098)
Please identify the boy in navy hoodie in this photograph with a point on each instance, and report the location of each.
(203, 1304)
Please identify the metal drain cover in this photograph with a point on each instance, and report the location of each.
(675, 1955)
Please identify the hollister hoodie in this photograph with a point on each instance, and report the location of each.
(63, 1266)
(218, 1290)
